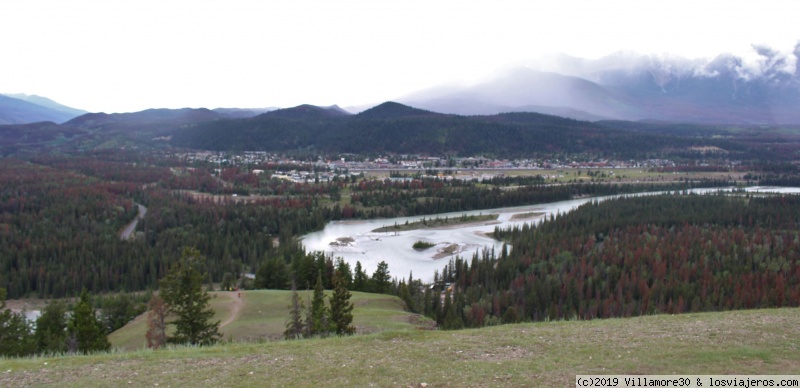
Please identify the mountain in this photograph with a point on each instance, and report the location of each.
(521, 87)
(307, 112)
(145, 117)
(626, 86)
(48, 103)
(33, 109)
(394, 110)
(242, 113)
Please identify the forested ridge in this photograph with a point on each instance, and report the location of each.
(633, 256)
(394, 128)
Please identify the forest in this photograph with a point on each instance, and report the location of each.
(628, 257)
(61, 216)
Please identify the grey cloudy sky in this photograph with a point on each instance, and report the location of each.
(129, 55)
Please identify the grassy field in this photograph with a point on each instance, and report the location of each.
(261, 315)
(545, 354)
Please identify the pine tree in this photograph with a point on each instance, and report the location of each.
(360, 278)
(16, 334)
(319, 324)
(344, 269)
(51, 328)
(405, 295)
(85, 330)
(294, 326)
(182, 290)
(341, 308)
(381, 278)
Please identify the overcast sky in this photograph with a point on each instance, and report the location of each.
(129, 55)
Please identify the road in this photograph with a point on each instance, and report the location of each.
(128, 231)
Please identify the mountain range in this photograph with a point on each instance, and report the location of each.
(627, 86)
(624, 86)
(389, 128)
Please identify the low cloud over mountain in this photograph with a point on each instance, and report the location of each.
(763, 88)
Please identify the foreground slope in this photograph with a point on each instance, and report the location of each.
(542, 354)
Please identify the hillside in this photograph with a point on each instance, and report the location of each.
(261, 315)
(19, 111)
(544, 354)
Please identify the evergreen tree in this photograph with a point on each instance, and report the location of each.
(452, 314)
(360, 278)
(405, 295)
(294, 326)
(227, 282)
(381, 279)
(16, 334)
(182, 291)
(51, 328)
(344, 269)
(341, 307)
(87, 332)
(319, 323)
(273, 274)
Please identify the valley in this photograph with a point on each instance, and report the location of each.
(362, 193)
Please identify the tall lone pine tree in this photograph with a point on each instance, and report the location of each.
(182, 291)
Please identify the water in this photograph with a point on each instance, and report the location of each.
(370, 248)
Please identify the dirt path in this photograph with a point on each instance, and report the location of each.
(236, 309)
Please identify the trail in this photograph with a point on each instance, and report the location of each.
(236, 308)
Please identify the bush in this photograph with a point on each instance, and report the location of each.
(422, 245)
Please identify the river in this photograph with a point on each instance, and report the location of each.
(359, 243)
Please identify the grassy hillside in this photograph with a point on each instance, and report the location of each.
(541, 354)
(261, 315)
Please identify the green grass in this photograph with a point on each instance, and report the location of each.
(264, 313)
(544, 354)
